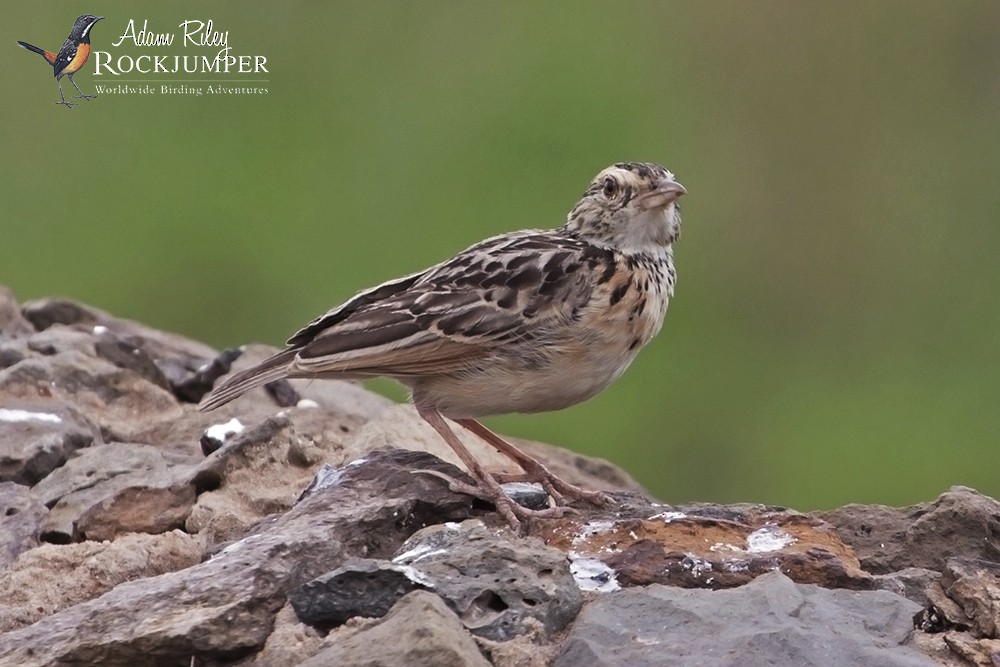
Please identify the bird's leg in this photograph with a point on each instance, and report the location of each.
(86, 97)
(63, 97)
(533, 470)
(487, 486)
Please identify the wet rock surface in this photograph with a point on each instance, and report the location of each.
(292, 526)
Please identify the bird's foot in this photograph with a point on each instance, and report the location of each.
(489, 489)
(68, 105)
(559, 489)
(86, 97)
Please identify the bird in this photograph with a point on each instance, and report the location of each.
(71, 57)
(527, 321)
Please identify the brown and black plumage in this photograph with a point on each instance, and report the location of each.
(528, 321)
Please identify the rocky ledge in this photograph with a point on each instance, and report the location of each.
(294, 527)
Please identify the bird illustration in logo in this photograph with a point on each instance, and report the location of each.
(71, 57)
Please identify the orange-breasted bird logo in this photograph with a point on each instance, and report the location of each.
(71, 57)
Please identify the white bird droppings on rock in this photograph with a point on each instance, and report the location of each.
(25, 416)
(592, 574)
(221, 432)
(768, 538)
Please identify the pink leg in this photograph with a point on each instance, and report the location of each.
(534, 471)
(487, 486)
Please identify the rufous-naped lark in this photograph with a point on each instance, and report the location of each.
(528, 321)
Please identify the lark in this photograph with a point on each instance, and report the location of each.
(528, 321)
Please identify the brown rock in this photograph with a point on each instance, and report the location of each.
(232, 496)
(961, 523)
(971, 651)
(290, 643)
(420, 631)
(143, 508)
(21, 517)
(108, 490)
(975, 586)
(642, 545)
(52, 578)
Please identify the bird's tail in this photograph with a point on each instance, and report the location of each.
(48, 55)
(269, 370)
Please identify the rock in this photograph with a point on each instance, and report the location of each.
(229, 480)
(700, 547)
(304, 503)
(401, 426)
(21, 517)
(420, 631)
(912, 583)
(12, 323)
(177, 358)
(119, 401)
(975, 585)
(978, 652)
(770, 621)
(360, 587)
(500, 588)
(109, 490)
(887, 539)
(289, 643)
(225, 607)
(52, 578)
(36, 435)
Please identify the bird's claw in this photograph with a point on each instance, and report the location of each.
(489, 489)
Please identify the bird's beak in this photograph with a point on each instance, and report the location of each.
(665, 192)
(99, 18)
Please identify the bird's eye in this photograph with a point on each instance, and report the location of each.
(610, 187)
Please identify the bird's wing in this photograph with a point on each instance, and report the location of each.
(498, 292)
(64, 57)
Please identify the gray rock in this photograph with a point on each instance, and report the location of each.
(420, 631)
(961, 523)
(225, 606)
(177, 358)
(21, 517)
(500, 587)
(912, 583)
(119, 401)
(109, 490)
(771, 622)
(12, 323)
(36, 436)
(360, 587)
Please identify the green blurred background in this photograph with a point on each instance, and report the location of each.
(834, 336)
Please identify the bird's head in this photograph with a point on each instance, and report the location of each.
(631, 207)
(81, 29)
